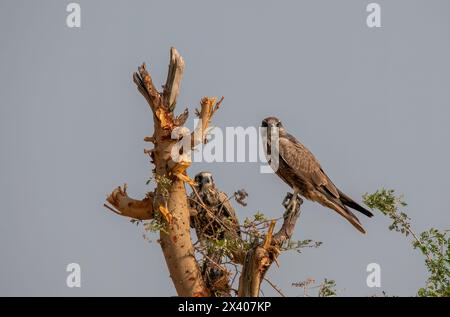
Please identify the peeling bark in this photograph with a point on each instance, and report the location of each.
(129, 207)
(176, 242)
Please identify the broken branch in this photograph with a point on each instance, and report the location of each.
(261, 256)
(129, 207)
(145, 86)
(208, 107)
(173, 82)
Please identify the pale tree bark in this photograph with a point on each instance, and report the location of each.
(129, 207)
(176, 240)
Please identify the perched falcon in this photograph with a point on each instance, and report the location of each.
(302, 172)
(219, 220)
(216, 222)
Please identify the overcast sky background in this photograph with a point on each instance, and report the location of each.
(372, 104)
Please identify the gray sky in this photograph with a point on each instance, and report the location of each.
(372, 104)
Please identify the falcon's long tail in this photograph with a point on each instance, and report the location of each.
(340, 208)
(347, 201)
(347, 214)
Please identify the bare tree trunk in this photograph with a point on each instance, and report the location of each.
(176, 240)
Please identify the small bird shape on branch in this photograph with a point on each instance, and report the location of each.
(298, 167)
(214, 220)
(212, 215)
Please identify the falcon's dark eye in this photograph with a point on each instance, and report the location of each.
(278, 124)
(264, 124)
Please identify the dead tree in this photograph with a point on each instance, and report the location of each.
(168, 202)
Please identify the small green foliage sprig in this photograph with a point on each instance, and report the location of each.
(325, 289)
(432, 243)
(162, 182)
(298, 245)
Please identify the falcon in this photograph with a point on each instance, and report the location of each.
(218, 220)
(214, 219)
(298, 167)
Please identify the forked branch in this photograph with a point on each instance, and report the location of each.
(261, 256)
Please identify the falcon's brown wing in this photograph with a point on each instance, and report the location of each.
(305, 165)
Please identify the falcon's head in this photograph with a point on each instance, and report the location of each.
(270, 122)
(204, 181)
(273, 122)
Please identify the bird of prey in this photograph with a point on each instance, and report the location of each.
(298, 167)
(213, 219)
(218, 220)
